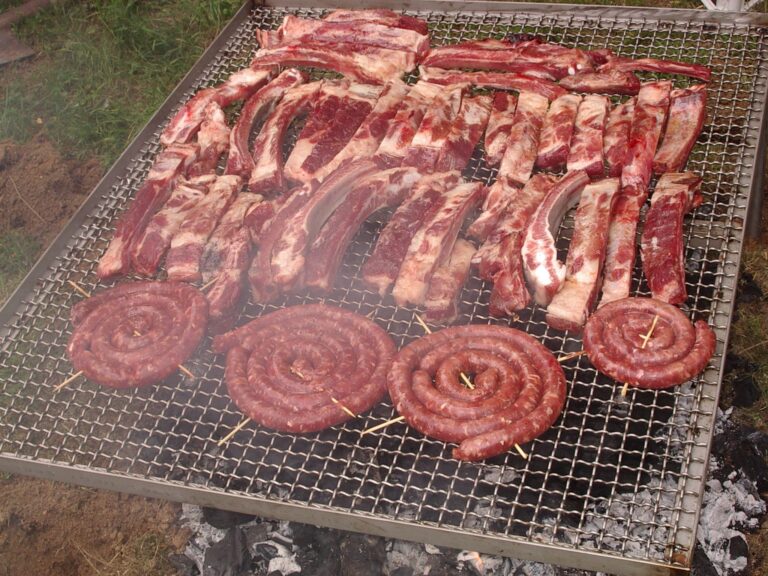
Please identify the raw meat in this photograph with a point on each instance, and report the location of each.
(499, 124)
(586, 151)
(687, 112)
(555, 139)
(523, 142)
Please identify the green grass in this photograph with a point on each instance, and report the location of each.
(104, 67)
(17, 254)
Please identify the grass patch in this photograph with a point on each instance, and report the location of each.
(104, 67)
(17, 254)
(145, 555)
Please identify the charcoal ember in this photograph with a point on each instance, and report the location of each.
(745, 390)
(742, 448)
(738, 547)
(734, 363)
(227, 557)
(701, 564)
(183, 565)
(748, 290)
(225, 518)
(402, 571)
(318, 549)
(361, 555)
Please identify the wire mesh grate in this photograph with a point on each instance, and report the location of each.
(616, 475)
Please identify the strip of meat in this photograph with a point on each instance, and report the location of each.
(544, 272)
(213, 139)
(381, 269)
(305, 368)
(267, 174)
(573, 303)
(404, 125)
(434, 129)
(369, 135)
(616, 138)
(336, 116)
(465, 134)
(169, 165)
(379, 16)
(675, 352)
(648, 122)
(608, 82)
(225, 261)
(366, 64)
(137, 333)
(661, 244)
(519, 388)
(563, 60)
(653, 65)
(263, 287)
(497, 198)
(586, 151)
(555, 140)
(381, 190)
(151, 245)
(441, 304)
(240, 161)
(523, 142)
(183, 260)
(491, 258)
(433, 243)
(495, 80)
(499, 124)
(295, 29)
(288, 253)
(687, 112)
(187, 120)
(620, 255)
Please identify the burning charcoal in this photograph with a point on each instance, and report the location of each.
(745, 390)
(184, 566)
(318, 549)
(702, 565)
(742, 448)
(227, 556)
(225, 518)
(735, 363)
(402, 571)
(748, 290)
(361, 555)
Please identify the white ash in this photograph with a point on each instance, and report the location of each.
(408, 554)
(203, 534)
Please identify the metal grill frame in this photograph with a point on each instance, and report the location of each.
(689, 408)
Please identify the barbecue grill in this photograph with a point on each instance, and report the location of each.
(614, 486)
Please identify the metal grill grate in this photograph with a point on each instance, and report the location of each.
(617, 476)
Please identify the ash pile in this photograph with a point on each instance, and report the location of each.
(231, 544)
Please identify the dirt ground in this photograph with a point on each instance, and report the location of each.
(48, 528)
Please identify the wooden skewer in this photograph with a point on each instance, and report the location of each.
(571, 356)
(647, 337)
(334, 400)
(68, 381)
(464, 378)
(382, 425)
(208, 284)
(522, 452)
(232, 432)
(624, 389)
(79, 289)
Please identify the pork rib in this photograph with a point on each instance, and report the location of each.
(616, 138)
(499, 124)
(240, 161)
(544, 272)
(491, 258)
(380, 190)
(405, 124)
(295, 29)
(213, 139)
(289, 252)
(648, 122)
(187, 120)
(267, 173)
(661, 244)
(608, 82)
(523, 142)
(494, 80)
(586, 151)
(381, 269)
(445, 286)
(369, 135)
(465, 134)
(573, 303)
(183, 261)
(336, 116)
(620, 254)
(170, 164)
(497, 198)
(687, 112)
(225, 261)
(433, 243)
(379, 16)
(151, 245)
(434, 129)
(555, 140)
(366, 64)
(653, 65)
